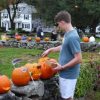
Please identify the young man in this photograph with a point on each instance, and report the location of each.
(69, 58)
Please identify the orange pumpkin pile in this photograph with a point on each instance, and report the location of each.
(34, 71)
(5, 84)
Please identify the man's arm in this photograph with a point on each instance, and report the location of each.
(54, 49)
(76, 60)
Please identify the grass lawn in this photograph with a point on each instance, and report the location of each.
(8, 54)
(28, 55)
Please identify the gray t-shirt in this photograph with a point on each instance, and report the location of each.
(70, 46)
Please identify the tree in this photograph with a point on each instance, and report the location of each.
(6, 4)
(84, 12)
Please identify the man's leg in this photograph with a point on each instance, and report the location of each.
(67, 87)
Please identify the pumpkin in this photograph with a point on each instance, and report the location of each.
(42, 59)
(34, 69)
(36, 72)
(5, 84)
(29, 39)
(18, 37)
(29, 66)
(46, 39)
(92, 39)
(20, 76)
(7, 38)
(85, 39)
(46, 70)
(37, 39)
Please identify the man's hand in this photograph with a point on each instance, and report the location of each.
(58, 68)
(45, 53)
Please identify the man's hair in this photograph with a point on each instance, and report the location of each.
(63, 16)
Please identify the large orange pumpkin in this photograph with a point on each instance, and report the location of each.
(85, 39)
(37, 39)
(5, 84)
(20, 76)
(46, 71)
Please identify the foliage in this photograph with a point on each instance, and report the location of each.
(86, 80)
(6, 4)
(87, 12)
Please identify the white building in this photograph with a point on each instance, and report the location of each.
(98, 29)
(23, 17)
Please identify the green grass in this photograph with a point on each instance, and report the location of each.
(8, 54)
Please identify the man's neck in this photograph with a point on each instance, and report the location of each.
(69, 28)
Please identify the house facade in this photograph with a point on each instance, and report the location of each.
(23, 19)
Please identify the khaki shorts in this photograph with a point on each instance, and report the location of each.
(67, 87)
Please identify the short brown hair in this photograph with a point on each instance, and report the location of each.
(63, 16)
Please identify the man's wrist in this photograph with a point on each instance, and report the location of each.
(62, 68)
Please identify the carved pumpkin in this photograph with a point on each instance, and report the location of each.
(36, 72)
(46, 71)
(20, 76)
(34, 69)
(37, 39)
(5, 84)
(46, 39)
(85, 39)
(42, 59)
(29, 66)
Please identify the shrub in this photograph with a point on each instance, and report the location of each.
(86, 80)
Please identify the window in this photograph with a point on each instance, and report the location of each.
(5, 15)
(26, 16)
(26, 26)
(18, 16)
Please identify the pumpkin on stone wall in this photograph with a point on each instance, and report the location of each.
(34, 69)
(29, 39)
(18, 37)
(5, 84)
(46, 70)
(46, 39)
(85, 39)
(20, 76)
(37, 39)
(36, 72)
